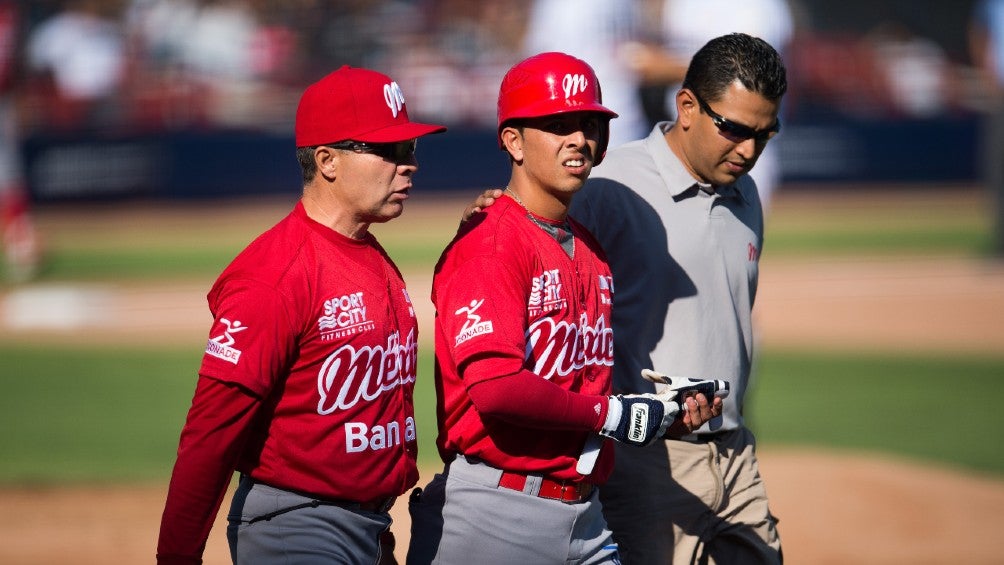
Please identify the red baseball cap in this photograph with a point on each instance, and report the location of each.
(357, 104)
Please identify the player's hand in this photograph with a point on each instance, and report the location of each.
(697, 410)
(484, 200)
(639, 419)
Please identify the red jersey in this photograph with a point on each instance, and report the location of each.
(320, 327)
(9, 37)
(506, 292)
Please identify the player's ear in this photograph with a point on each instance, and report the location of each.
(512, 140)
(686, 108)
(326, 160)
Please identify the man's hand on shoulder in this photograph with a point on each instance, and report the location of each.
(484, 200)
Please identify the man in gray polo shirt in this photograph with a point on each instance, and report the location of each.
(682, 225)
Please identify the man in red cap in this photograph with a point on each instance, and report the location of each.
(306, 385)
(524, 348)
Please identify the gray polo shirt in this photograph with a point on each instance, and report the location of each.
(685, 267)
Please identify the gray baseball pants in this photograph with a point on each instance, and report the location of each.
(463, 516)
(268, 525)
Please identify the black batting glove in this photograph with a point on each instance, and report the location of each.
(639, 419)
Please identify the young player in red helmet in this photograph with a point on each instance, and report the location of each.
(524, 349)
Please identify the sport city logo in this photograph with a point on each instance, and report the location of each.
(344, 316)
(219, 346)
(574, 84)
(473, 326)
(545, 293)
(394, 97)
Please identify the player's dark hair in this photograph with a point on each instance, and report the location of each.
(519, 125)
(305, 156)
(736, 56)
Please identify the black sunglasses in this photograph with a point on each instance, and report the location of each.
(398, 152)
(737, 132)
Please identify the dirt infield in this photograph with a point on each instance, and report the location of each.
(834, 508)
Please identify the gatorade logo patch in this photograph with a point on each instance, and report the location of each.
(638, 424)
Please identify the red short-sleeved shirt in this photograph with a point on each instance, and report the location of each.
(506, 290)
(321, 327)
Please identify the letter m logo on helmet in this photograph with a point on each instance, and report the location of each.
(574, 84)
(548, 84)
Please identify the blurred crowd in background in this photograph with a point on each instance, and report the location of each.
(86, 85)
(151, 64)
(155, 64)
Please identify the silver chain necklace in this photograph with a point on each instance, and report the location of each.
(562, 234)
(513, 195)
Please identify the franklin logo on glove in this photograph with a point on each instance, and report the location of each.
(640, 419)
(639, 423)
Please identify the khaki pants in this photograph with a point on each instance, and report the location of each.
(691, 502)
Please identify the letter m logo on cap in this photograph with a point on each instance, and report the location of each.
(394, 97)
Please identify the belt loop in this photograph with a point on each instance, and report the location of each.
(532, 486)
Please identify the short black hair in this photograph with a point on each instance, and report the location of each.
(736, 56)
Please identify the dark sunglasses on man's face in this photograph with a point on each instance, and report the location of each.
(737, 132)
(399, 152)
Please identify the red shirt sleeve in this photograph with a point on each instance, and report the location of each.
(211, 442)
(526, 399)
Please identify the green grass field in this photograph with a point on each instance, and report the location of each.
(197, 247)
(101, 415)
(112, 414)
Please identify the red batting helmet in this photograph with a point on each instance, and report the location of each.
(552, 83)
